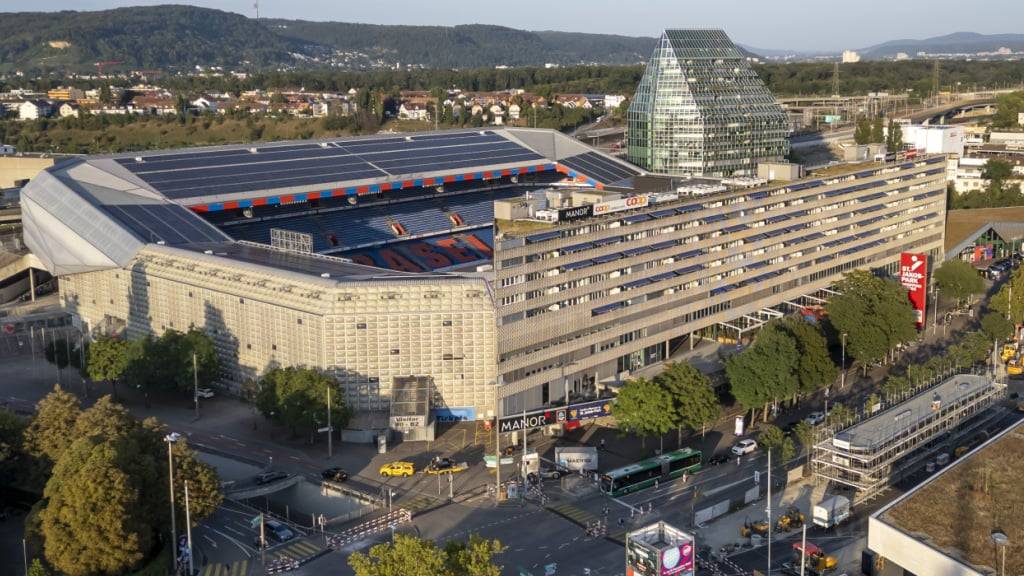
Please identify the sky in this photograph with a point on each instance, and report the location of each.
(819, 25)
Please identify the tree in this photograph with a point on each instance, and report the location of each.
(297, 398)
(874, 313)
(166, 363)
(840, 415)
(204, 495)
(407, 555)
(765, 372)
(788, 450)
(958, 279)
(106, 96)
(643, 408)
(107, 360)
(771, 437)
(804, 434)
(815, 369)
(1004, 304)
(894, 137)
(12, 434)
(52, 428)
(996, 326)
(94, 520)
(997, 170)
(862, 132)
(474, 557)
(37, 568)
(877, 131)
(106, 419)
(693, 397)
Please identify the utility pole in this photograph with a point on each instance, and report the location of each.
(263, 542)
(330, 431)
(171, 439)
(842, 375)
(497, 447)
(835, 80)
(769, 512)
(188, 529)
(803, 549)
(935, 81)
(195, 382)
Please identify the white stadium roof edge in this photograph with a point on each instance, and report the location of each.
(97, 212)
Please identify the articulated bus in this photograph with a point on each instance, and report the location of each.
(645, 473)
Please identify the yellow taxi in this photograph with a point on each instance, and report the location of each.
(400, 468)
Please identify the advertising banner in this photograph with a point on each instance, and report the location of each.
(640, 560)
(575, 213)
(531, 420)
(621, 204)
(914, 277)
(576, 457)
(678, 560)
(586, 410)
(454, 414)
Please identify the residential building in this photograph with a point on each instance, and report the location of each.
(850, 57)
(34, 109)
(613, 101)
(700, 110)
(69, 109)
(65, 94)
(412, 111)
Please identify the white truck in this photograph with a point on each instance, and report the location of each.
(832, 511)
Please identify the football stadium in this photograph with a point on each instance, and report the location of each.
(509, 266)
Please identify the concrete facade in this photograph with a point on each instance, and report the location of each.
(365, 333)
(573, 313)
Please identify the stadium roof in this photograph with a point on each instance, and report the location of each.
(239, 176)
(96, 212)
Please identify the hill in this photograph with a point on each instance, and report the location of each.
(181, 37)
(153, 37)
(467, 46)
(956, 43)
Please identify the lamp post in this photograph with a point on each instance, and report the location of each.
(842, 376)
(171, 439)
(1001, 540)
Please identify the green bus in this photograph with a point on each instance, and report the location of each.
(645, 473)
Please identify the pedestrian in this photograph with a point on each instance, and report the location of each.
(737, 460)
(655, 483)
(601, 445)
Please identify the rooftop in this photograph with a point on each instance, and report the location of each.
(957, 510)
(962, 224)
(878, 428)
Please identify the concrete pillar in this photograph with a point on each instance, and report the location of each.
(691, 341)
(31, 285)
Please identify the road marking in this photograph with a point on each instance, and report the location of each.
(230, 539)
(242, 534)
(210, 540)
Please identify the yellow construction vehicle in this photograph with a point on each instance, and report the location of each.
(817, 562)
(1014, 367)
(759, 527)
(791, 520)
(1009, 351)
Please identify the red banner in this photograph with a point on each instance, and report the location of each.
(914, 277)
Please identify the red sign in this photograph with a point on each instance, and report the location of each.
(914, 277)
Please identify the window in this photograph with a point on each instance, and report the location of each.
(300, 321)
(273, 346)
(248, 346)
(361, 326)
(241, 300)
(395, 351)
(446, 323)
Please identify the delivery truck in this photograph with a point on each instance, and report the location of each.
(832, 511)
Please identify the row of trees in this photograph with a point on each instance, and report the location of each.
(297, 398)
(789, 359)
(681, 397)
(412, 555)
(104, 477)
(871, 131)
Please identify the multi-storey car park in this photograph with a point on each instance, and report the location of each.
(375, 258)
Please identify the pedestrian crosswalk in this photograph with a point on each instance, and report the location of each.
(417, 503)
(298, 550)
(236, 568)
(574, 513)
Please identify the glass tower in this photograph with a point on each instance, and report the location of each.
(700, 110)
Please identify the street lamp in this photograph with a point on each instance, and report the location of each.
(1001, 540)
(842, 376)
(171, 439)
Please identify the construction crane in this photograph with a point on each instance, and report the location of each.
(100, 65)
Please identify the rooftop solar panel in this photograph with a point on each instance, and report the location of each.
(168, 223)
(598, 167)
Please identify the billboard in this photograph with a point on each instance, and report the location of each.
(677, 560)
(531, 420)
(628, 203)
(576, 457)
(586, 410)
(914, 277)
(450, 414)
(575, 213)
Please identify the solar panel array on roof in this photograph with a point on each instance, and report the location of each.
(230, 171)
(168, 223)
(598, 167)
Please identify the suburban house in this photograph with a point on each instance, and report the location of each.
(34, 109)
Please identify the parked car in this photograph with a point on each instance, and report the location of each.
(718, 459)
(334, 474)
(551, 473)
(815, 418)
(205, 393)
(399, 468)
(743, 447)
(268, 477)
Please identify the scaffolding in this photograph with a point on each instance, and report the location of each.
(881, 448)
